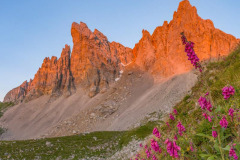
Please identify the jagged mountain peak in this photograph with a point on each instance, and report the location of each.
(66, 51)
(163, 54)
(81, 28)
(100, 35)
(95, 62)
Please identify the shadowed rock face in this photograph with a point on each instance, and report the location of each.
(163, 53)
(18, 93)
(95, 62)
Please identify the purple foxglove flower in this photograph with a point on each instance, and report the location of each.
(156, 133)
(223, 122)
(214, 134)
(175, 137)
(181, 128)
(232, 153)
(205, 115)
(175, 112)
(202, 102)
(230, 112)
(227, 92)
(171, 117)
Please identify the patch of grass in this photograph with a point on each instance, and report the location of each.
(95, 144)
(4, 106)
(2, 130)
(138, 133)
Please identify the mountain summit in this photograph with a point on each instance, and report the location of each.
(163, 53)
(95, 62)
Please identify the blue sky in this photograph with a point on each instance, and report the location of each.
(32, 30)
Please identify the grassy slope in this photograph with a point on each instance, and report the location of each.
(217, 75)
(3, 107)
(96, 144)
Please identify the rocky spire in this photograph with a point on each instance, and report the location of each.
(95, 62)
(167, 56)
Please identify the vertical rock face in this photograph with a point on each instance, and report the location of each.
(124, 54)
(18, 93)
(65, 82)
(145, 51)
(95, 62)
(163, 53)
(54, 78)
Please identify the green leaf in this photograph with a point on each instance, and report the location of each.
(205, 155)
(238, 149)
(222, 130)
(227, 148)
(206, 136)
(212, 157)
(216, 147)
(218, 109)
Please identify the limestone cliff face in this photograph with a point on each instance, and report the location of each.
(53, 78)
(124, 54)
(95, 62)
(18, 93)
(163, 53)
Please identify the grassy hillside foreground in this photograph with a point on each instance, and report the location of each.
(88, 146)
(197, 141)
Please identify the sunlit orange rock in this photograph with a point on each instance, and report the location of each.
(53, 78)
(162, 53)
(17, 94)
(95, 62)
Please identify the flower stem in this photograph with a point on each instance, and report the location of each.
(220, 146)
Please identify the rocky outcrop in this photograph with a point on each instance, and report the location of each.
(95, 62)
(124, 54)
(53, 78)
(162, 53)
(18, 93)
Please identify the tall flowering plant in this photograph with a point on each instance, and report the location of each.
(191, 53)
(173, 144)
(218, 120)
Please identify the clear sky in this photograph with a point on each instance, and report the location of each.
(33, 30)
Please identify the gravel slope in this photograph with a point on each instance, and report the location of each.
(121, 107)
